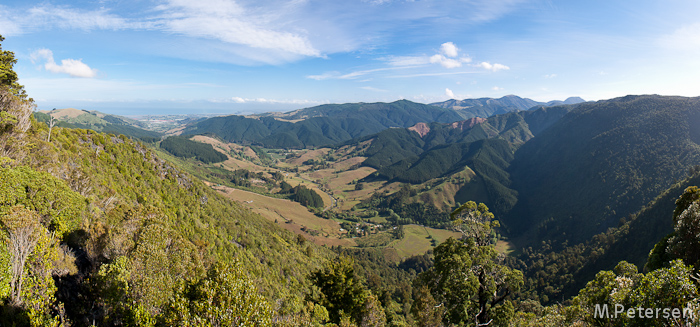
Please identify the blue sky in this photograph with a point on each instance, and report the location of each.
(239, 56)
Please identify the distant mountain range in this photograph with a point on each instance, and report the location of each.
(487, 107)
(321, 125)
(333, 123)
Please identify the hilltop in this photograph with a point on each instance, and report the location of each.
(100, 122)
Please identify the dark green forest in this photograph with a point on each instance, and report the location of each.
(182, 146)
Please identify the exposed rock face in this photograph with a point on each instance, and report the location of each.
(421, 128)
(467, 124)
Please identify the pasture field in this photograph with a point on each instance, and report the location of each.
(417, 240)
(291, 216)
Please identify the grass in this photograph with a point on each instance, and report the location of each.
(291, 216)
(375, 240)
(505, 247)
(418, 240)
(312, 154)
(442, 193)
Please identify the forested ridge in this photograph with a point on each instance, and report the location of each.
(323, 125)
(617, 155)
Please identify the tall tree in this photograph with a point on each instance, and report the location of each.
(684, 241)
(469, 278)
(8, 77)
(341, 291)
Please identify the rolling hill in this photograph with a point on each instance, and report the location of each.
(100, 122)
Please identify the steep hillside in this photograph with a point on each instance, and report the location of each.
(323, 125)
(572, 265)
(393, 145)
(487, 107)
(122, 234)
(602, 162)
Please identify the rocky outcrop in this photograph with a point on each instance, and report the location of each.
(467, 124)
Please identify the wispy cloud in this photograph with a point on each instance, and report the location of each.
(222, 20)
(352, 75)
(373, 89)
(72, 67)
(274, 31)
(432, 74)
(229, 22)
(8, 24)
(550, 76)
(406, 60)
(267, 101)
(448, 57)
(684, 38)
(63, 17)
(448, 62)
(492, 67)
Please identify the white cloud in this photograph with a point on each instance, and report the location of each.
(496, 88)
(72, 67)
(231, 23)
(449, 93)
(449, 62)
(445, 62)
(449, 49)
(448, 56)
(492, 67)
(549, 76)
